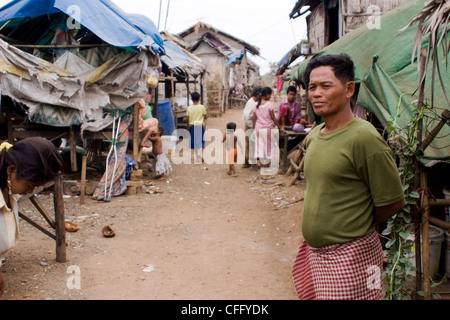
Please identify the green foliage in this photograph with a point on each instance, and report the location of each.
(399, 249)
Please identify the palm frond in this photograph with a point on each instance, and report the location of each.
(433, 25)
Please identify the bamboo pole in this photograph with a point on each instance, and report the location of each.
(58, 201)
(83, 180)
(425, 237)
(59, 46)
(445, 117)
(73, 150)
(136, 132)
(417, 177)
(440, 223)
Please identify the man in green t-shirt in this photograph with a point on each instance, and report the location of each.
(352, 183)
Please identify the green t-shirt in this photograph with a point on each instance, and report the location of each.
(196, 114)
(348, 172)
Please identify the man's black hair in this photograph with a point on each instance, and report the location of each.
(341, 64)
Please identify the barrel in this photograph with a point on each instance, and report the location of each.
(165, 116)
(436, 238)
(447, 253)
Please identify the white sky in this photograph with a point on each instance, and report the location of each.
(261, 23)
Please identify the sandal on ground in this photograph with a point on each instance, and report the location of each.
(71, 226)
(108, 232)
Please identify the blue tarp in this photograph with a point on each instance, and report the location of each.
(102, 17)
(175, 57)
(234, 56)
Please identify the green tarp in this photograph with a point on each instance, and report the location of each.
(387, 77)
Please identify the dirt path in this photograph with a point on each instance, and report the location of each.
(206, 236)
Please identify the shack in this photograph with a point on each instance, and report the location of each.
(329, 20)
(227, 61)
(182, 72)
(390, 94)
(65, 63)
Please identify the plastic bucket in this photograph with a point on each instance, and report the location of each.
(168, 144)
(447, 253)
(165, 116)
(447, 209)
(436, 238)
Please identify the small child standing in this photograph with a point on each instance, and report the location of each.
(231, 143)
(161, 165)
(196, 125)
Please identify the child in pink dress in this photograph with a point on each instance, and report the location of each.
(264, 121)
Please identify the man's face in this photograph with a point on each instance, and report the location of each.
(327, 93)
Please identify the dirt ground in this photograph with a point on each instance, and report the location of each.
(205, 235)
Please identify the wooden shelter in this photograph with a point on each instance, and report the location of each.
(329, 20)
(59, 75)
(182, 72)
(226, 59)
(390, 80)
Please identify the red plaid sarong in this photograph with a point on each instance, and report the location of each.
(349, 271)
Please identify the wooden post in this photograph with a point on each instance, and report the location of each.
(201, 88)
(188, 93)
(9, 120)
(417, 177)
(73, 150)
(425, 237)
(135, 132)
(155, 103)
(172, 88)
(83, 181)
(60, 230)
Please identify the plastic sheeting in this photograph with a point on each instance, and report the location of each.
(175, 58)
(101, 17)
(116, 84)
(387, 77)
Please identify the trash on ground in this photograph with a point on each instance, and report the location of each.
(149, 269)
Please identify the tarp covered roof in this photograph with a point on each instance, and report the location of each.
(176, 58)
(102, 17)
(72, 91)
(231, 54)
(387, 76)
(289, 58)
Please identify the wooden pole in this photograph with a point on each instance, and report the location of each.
(445, 116)
(417, 176)
(58, 201)
(73, 150)
(425, 237)
(59, 46)
(9, 118)
(83, 180)
(136, 132)
(172, 88)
